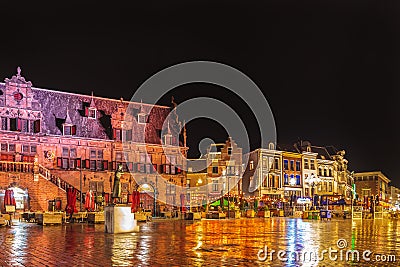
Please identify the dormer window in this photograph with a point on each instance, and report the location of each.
(168, 139)
(142, 118)
(90, 110)
(92, 113)
(142, 115)
(69, 129)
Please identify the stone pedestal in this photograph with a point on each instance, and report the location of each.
(119, 219)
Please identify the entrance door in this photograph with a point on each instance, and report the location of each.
(147, 200)
(20, 198)
(146, 197)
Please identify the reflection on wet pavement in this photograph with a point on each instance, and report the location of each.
(233, 242)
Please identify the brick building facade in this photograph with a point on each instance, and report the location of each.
(78, 141)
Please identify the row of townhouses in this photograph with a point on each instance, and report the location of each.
(294, 174)
(52, 140)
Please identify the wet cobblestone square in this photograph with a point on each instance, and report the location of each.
(229, 242)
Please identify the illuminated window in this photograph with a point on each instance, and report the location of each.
(4, 147)
(215, 185)
(276, 164)
(142, 118)
(215, 169)
(168, 139)
(4, 123)
(117, 134)
(25, 148)
(298, 168)
(292, 165)
(306, 164)
(251, 165)
(265, 181)
(11, 147)
(312, 164)
(65, 152)
(298, 180)
(69, 129)
(24, 126)
(92, 113)
(286, 179)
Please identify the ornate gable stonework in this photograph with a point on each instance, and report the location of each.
(16, 99)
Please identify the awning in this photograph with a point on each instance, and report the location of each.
(218, 203)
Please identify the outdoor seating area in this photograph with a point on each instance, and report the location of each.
(215, 215)
(28, 217)
(49, 218)
(95, 217)
(166, 214)
(193, 216)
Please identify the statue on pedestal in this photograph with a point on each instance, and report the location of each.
(116, 193)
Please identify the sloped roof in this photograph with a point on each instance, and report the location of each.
(58, 107)
(287, 147)
(54, 106)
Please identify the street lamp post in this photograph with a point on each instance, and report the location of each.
(155, 197)
(314, 180)
(229, 204)
(80, 188)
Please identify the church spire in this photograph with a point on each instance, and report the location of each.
(92, 105)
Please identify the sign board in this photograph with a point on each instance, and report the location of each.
(303, 201)
(10, 208)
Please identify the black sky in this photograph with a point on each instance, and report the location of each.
(329, 69)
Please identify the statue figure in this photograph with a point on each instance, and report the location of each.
(116, 193)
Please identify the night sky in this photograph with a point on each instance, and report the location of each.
(329, 69)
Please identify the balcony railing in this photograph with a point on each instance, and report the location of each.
(27, 167)
(58, 181)
(9, 166)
